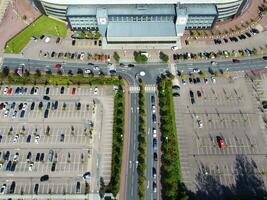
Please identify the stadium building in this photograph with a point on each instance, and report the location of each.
(141, 22)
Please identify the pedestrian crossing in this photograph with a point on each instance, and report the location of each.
(148, 89)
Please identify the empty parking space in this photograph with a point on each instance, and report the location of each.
(218, 121)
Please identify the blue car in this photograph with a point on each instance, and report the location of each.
(22, 114)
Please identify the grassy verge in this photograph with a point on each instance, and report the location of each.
(42, 26)
(13, 79)
(117, 144)
(141, 169)
(171, 180)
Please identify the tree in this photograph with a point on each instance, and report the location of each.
(5, 71)
(26, 73)
(38, 72)
(116, 57)
(59, 72)
(139, 58)
(164, 57)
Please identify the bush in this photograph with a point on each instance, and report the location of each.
(164, 57)
(142, 144)
(140, 58)
(170, 170)
(117, 148)
(116, 57)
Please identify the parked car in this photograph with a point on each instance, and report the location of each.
(155, 156)
(44, 178)
(220, 141)
(155, 144)
(236, 61)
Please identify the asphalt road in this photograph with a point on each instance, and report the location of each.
(132, 181)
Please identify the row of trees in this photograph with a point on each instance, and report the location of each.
(9, 77)
(117, 148)
(141, 169)
(172, 187)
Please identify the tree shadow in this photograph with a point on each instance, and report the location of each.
(248, 183)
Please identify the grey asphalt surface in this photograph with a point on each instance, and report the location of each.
(152, 71)
(132, 183)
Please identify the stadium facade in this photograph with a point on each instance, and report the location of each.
(141, 21)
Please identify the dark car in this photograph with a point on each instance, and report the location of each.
(264, 57)
(154, 118)
(62, 90)
(56, 105)
(198, 79)
(40, 106)
(6, 155)
(155, 156)
(58, 40)
(32, 105)
(73, 42)
(248, 34)
(42, 157)
(1, 137)
(78, 187)
(28, 140)
(36, 187)
(154, 172)
(46, 113)
(29, 156)
(153, 99)
(8, 166)
(44, 178)
(47, 90)
(13, 166)
(62, 137)
(53, 168)
(191, 93)
(112, 72)
(32, 90)
(20, 106)
(48, 105)
(131, 65)
(22, 114)
(47, 98)
(236, 61)
(37, 159)
(192, 100)
(12, 187)
(176, 94)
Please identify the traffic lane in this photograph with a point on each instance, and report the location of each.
(132, 172)
(243, 65)
(149, 156)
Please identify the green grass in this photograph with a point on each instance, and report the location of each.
(42, 26)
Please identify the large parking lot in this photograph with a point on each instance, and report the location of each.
(218, 124)
(57, 132)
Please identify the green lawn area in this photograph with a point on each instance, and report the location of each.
(42, 26)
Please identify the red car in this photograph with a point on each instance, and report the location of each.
(58, 66)
(73, 91)
(9, 91)
(220, 141)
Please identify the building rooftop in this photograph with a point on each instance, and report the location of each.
(123, 10)
(137, 29)
(105, 2)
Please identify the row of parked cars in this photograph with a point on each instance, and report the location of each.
(243, 36)
(155, 142)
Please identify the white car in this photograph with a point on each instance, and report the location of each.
(16, 157)
(96, 90)
(5, 90)
(31, 166)
(87, 176)
(96, 68)
(153, 108)
(25, 105)
(213, 80)
(1, 165)
(200, 124)
(174, 48)
(37, 138)
(16, 138)
(6, 113)
(3, 189)
(154, 132)
(82, 56)
(196, 70)
(87, 71)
